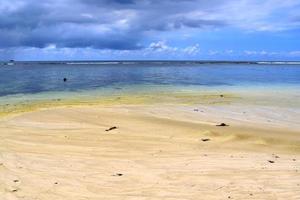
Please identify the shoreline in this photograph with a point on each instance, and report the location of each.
(275, 96)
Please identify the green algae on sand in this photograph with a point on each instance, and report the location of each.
(184, 98)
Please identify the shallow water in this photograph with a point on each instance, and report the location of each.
(140, 82)
(29, 78)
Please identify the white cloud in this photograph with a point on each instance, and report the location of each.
(255, 15)
(192, 50)
(294, 53)
(160, 46)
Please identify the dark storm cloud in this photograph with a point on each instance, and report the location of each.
(28, 17)
(97, 2)
(199, 23)
(102, 24)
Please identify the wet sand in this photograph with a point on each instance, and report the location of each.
(155, 152)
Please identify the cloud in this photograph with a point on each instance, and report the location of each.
(103, 2)
(155, 51)
(262, 53)
(192, 50)
(294, 53)
(160, 46)
(132, 24)
(38, 24)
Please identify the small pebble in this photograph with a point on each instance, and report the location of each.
(111, 128)
(222, 124)
(277, 157)
(118, 174)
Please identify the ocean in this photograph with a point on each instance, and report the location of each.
(31, 78)
(25, 81)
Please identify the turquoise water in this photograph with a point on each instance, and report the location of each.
(35, 78)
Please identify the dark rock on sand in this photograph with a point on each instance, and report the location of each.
(222, 124)
(271, 161)
(118, 174)
(205, 140)
(111, 128)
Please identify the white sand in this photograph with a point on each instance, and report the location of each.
(65, 153)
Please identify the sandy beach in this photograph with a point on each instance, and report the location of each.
(155, 152)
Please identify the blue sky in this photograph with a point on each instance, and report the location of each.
(150, 29)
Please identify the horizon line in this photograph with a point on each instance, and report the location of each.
(151, 60)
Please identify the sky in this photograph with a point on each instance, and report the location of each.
(150, 29)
